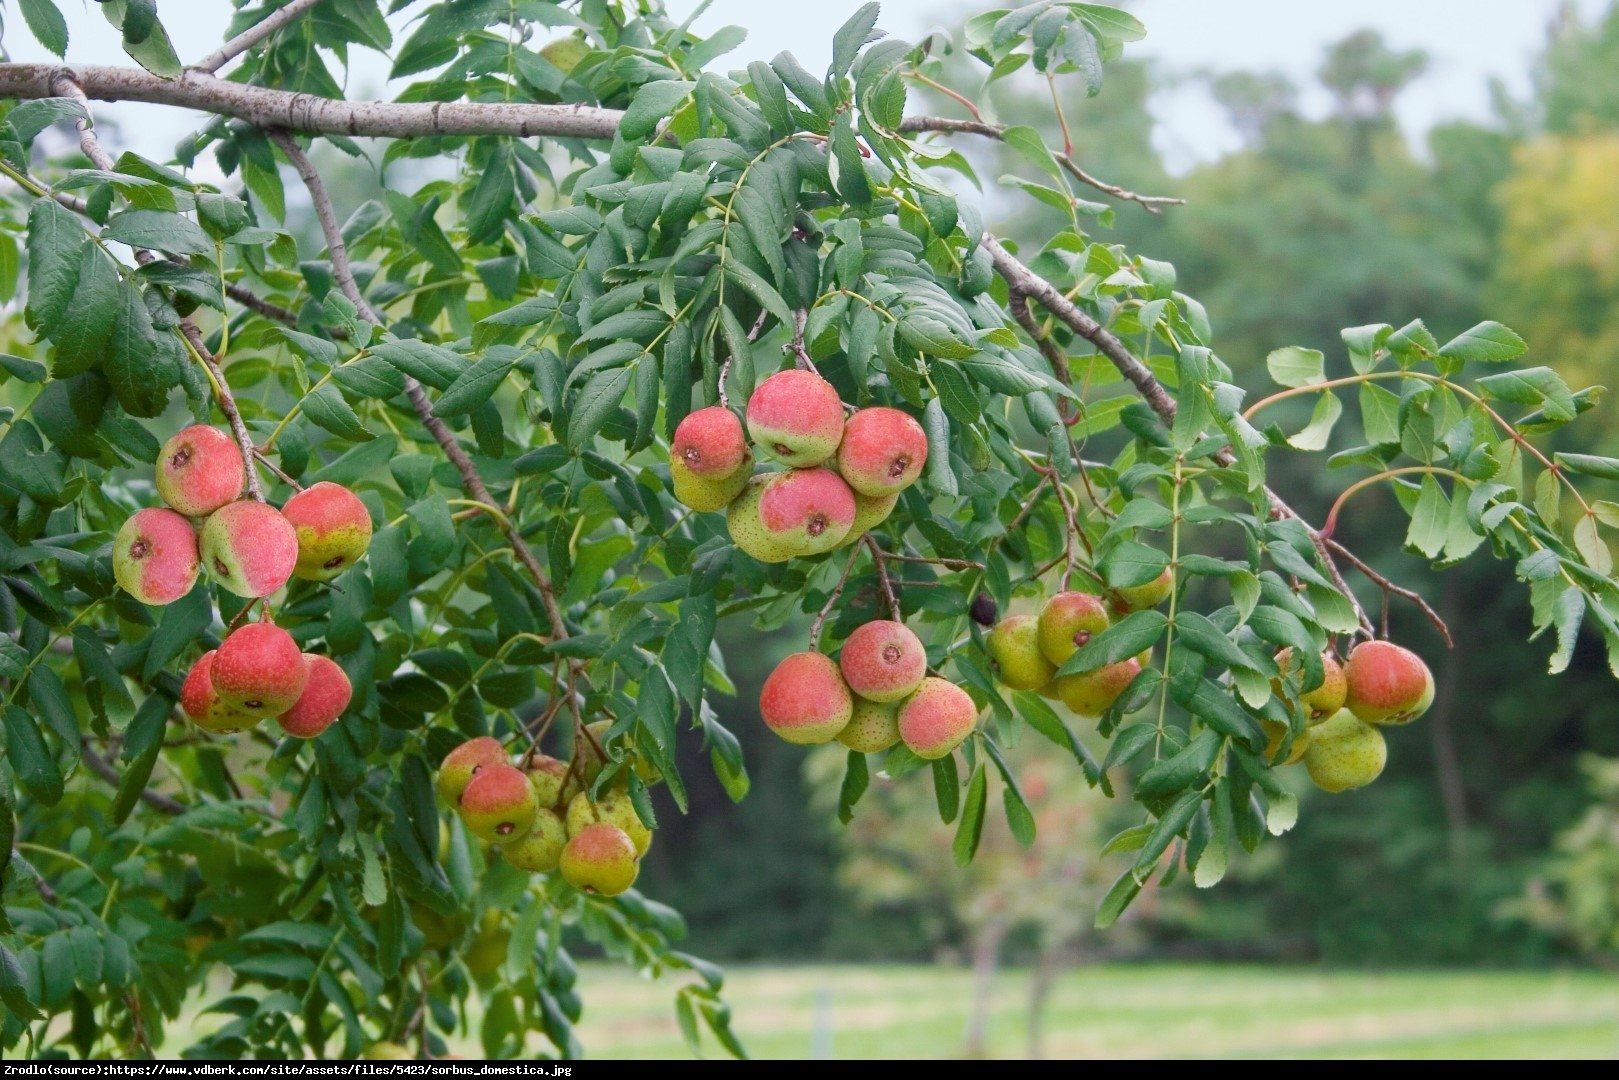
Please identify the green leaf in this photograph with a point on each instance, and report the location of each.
(941, 477)
(1315, 435)
(1171, 824)
(474, 386)
(1532, 386)
(26, 752)
(855, 779)
(1380, 415)
(972, 818)
(154, 51)
(1201, 634)
(599, 398)
(1592, 548)
(849, 39)
(158, 230)
(142, 365)
(1124, 890)
(31, 117)
(1129, 563)
(1603, 468)
(760, 289)
(493, 199)
(81, 340)
(847, 168)
(1130, 636)
(47, 25)
(327, 407)
(1430, 520)
(653, 102)
(1489, 342)
(55, 238)
(1295, 366)
(1567, 613)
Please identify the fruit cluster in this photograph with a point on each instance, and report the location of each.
(249, 548)
(1027, 650)
(877, 694)
(843, 477)
(1342, 745)
(544, 817)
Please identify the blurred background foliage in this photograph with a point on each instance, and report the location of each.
(1492, 838)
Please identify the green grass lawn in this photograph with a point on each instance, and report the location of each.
(1129, 1011)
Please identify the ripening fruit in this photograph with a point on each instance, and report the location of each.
(869, 512)
(199, 470)
(882, 451)
(1130, 598)
(1014, 648)
(600, 859)
(326, 695)
(154, 556)
(540, 849)
(1093, 693)
(462, 763)
(565, 53)
(796, 417)
(805, 700)
(488, 948)
(873, 727)
(499, 802)
(1069, 620)
(549, 776)
(797, 513)
(1345, 752)
(1387, 684)
(249, 548)
(1275, 733)
(883, 661)
(613, 807)
(333, 528)
(709, 442)
(1325, 699)
(201, 702)
(591, 761)
(386, 1051)
(708, 493)
(260, 669)
(936, 718)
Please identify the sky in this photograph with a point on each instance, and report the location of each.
(1469, 42)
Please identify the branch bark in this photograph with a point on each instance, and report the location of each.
(254, 34)
(105, 769)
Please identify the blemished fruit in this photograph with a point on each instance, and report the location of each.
(499, 803)
(709, 442)
(154, 556)
(613, 807)
(465, 761)
(1345, 753)
(249, 548)
(1387, 684)
(333, 529)
(1128, 598)
(1325, 699)
(707, 493)
(873, 727)
(1276, 732)
(1093, 693)
(199, 470)
(883, 661)
(600, 858)
(386, 1051)
(805, 700)
(870, 511)
(1069, 620)
(540, 849)
(1014, 647)
(259, 669)
(784, 515)
(796, 417)
(549, 776)
(201, 702)
(326, 695)
(882, 451)
(936, 718)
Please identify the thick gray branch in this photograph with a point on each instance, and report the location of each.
(254, 34)
(309, 114)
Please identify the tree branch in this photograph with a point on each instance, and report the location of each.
(1151, 203)
(63, 85)
(1388, 586)
(105, 769)
(250, 37)
(309, 114)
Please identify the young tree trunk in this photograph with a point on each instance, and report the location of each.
(1054, 960)
(986, 951)
(1441, 729)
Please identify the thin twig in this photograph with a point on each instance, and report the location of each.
(250, 37)
(801, 356)
(837, 591)
(259, 456)
(948, 564)
(104, 769)
(1387, 587)
(1151, 203)
(880, 557)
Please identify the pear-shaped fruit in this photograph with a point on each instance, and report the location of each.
(199, 470)
(613, 807)
(883, 660)
(1345, 753)
(549, 777)
(333, 529)
(709, 493)
(882, 452)
(540, 849)
(805, 700)
(463, 762)
(790, 514)
(1387, 684)
(870, 511)
(1093, 693)
(499, 803)
(1014, 649)
(796, 417)
(1130, 598)
(709, 442)
(600, 859)
(202, 703)
(873, 727)
(936, 718)
(1324, 700)
(154, 556)
(259, 669)
(249, 548)
(386, 1051)
(1069, 620)
(326, 695)
(1276, 732)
